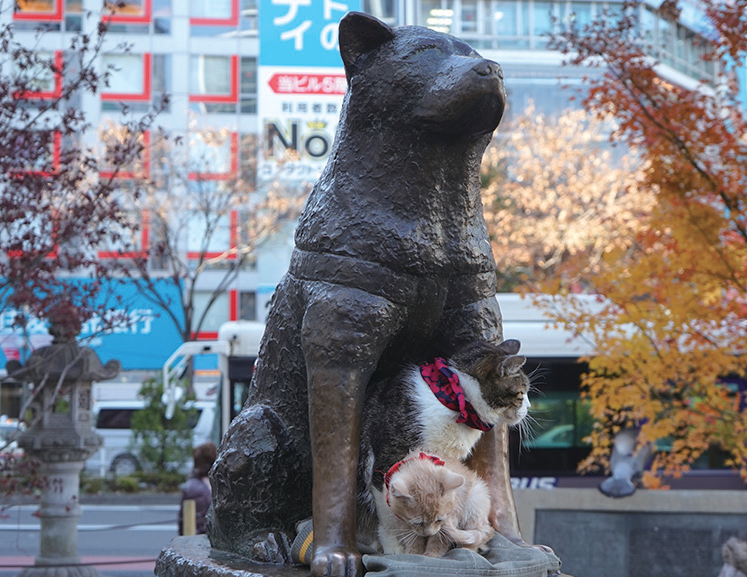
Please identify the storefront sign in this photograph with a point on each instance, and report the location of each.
(301, 86)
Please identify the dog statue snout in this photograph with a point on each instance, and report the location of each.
(488, 68)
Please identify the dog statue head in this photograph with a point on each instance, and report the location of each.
(419, 79)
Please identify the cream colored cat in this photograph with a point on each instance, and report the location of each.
(429, 506)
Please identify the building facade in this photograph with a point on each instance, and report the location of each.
(206, 55)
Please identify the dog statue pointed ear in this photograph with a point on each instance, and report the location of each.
(358, 34)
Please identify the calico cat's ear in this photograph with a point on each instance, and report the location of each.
(513, 364)
(510, 346)
(451, 481)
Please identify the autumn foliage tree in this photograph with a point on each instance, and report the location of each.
(56, 205)
(557, 197)
(671, 331)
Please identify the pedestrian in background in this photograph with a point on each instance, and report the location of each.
(197, 486)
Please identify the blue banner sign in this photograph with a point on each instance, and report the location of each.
(301, 32)
(143, 342)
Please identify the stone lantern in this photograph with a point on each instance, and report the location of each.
(61, 438)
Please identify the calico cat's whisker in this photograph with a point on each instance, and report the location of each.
(529, 420)
(535, 391)
(536, 414)
(540, 425)
(539, 374)
(526, 432)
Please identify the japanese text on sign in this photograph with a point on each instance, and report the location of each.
(301, 32)
(308, 83)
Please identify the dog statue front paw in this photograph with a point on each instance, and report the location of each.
(336, 561)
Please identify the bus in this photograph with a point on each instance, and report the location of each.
(561, 418)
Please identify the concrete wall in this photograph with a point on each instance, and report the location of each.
(667, 533)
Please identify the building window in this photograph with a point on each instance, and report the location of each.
(525, 25)
(248, 159)
(213, 155)
(676, 45)
(132, 242)
(383, 10)
(248, 85)
(213, 78)
(214, 83)
(42, 153)
(127, 11)
(161, 75)
(212, 236)
(40, 76)
(223, 17)
(41, 10)
(214, 12)
(511, 25)
(438, 15)
(542, 23)
(162, 16)
(219, 83)
(73, 15)
(248, 306)
(217, 315)
(137, 79)
(122, 163)
(138, 16)
(470, 19)
(578, 15)
(129, 77)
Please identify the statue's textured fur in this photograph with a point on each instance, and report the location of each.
(392, 263)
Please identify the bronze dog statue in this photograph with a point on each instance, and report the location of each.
(392, 263)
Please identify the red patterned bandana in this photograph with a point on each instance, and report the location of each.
(445, 385)
(394, 468)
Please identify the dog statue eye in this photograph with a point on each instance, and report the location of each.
(424, 48)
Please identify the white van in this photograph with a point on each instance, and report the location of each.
(112, 422)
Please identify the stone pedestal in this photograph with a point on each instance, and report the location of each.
(193, 557)
(59, 512)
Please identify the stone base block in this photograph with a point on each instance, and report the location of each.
(60, 571)
(193, 557)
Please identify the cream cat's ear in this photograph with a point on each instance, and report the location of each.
(399, 490)
(451, 481)
(513, 364)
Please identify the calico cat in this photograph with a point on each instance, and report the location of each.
(431, 505)
(441, 408)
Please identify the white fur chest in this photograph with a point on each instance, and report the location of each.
(442, 435)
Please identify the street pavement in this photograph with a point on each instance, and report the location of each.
(121, 535)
